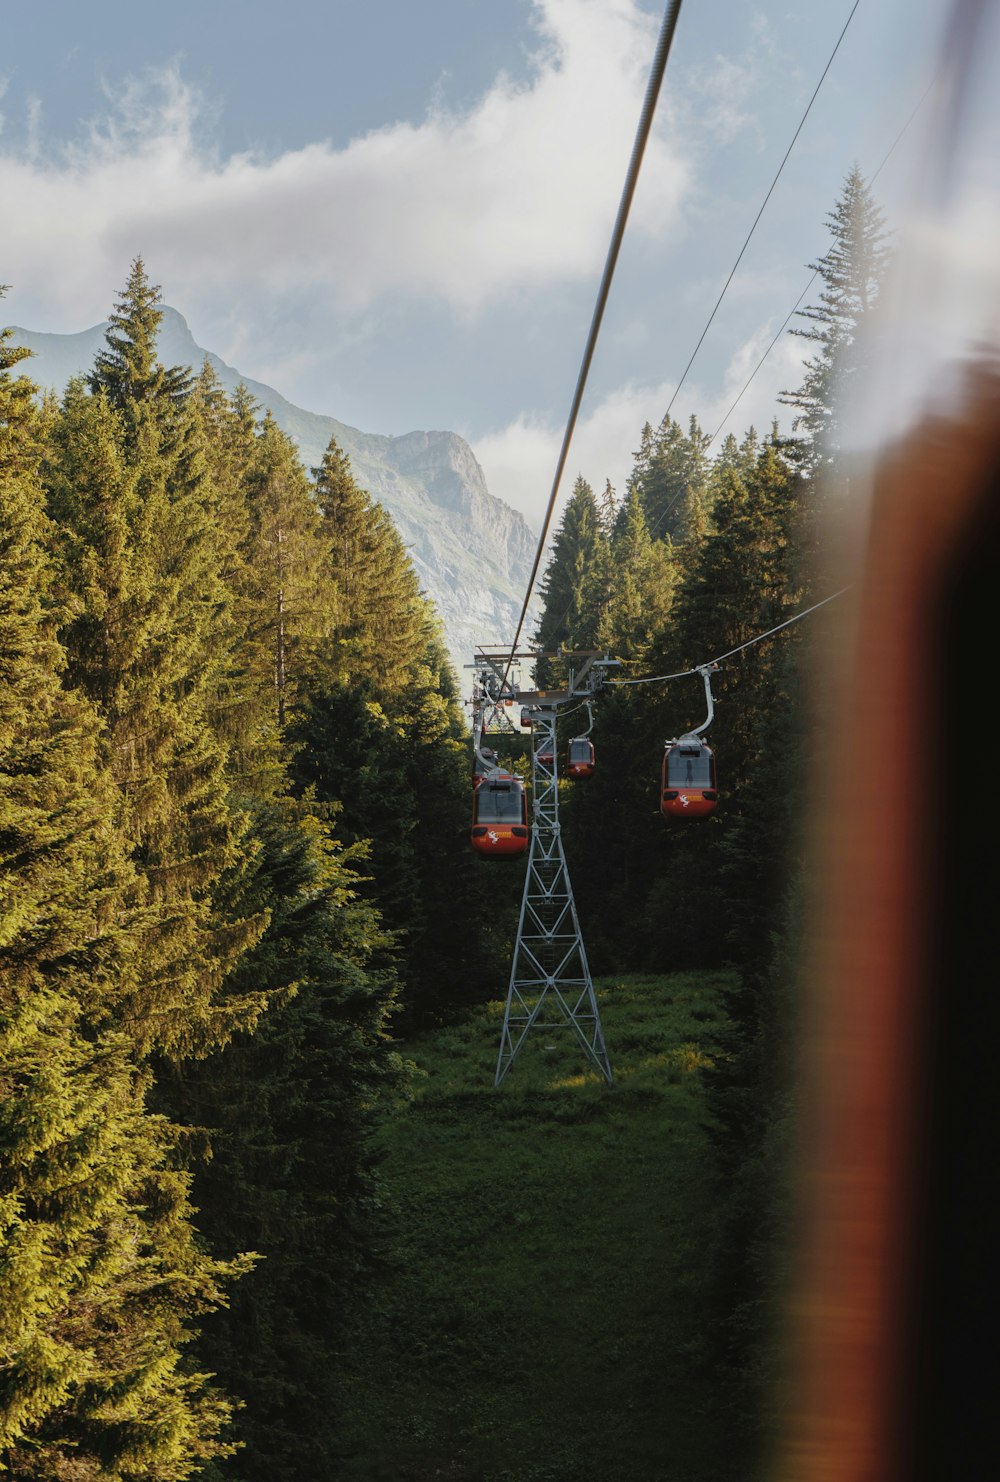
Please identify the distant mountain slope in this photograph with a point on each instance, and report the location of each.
(472, 552)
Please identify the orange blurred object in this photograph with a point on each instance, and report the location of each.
(891, 1329)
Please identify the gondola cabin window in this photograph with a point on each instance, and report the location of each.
(580, 758)
(500, 802)
(688, 783)
(689, 766)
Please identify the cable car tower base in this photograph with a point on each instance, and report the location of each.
(550, 983)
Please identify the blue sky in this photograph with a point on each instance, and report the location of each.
(397, 214)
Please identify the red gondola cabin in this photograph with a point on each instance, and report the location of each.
(580, 758)
(688, 787)
(499, 815)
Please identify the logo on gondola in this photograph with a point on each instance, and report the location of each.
(493, 836)
(684, 800)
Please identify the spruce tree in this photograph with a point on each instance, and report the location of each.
(852, 271)
(738, 457)
(140, 556)
(127, 370)
(607, 509)
(751, 1095)
(642, 584)
(743, 582)
(287, 545)
(735, 582)
(379, 734)
(241, 701)
(292, 1174)
(567, 613)
(381, 621)
(289, 1107)
(100, 1271)
(671, 473)
(638, 577)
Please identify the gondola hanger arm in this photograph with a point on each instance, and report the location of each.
(706, 671)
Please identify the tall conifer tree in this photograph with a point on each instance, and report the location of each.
(751, 1098)
(241, 705)
(643, 579)
(381, 735)
(127, 370)
(100, 1272)
(852, 270)
(382, 622)
(292, 1173)
(567, 613)
(671, 473)
(742, 583)
(141, 556)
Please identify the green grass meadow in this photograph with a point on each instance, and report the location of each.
(542, 1315)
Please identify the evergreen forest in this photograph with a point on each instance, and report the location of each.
(263, 1217)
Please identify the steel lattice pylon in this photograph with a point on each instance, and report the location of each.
(550, 982)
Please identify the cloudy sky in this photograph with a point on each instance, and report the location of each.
(397, 213)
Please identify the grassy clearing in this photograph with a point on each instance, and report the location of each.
(543, 1313)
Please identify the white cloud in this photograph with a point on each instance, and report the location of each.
(519, 460)
(758, 405)
(722, 93)
(514, 194)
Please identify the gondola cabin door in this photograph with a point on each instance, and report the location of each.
(499, 815)
(688, 783)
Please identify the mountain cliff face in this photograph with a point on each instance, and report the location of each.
(472, 552)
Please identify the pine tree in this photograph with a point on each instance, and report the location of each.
(100, 1272)
(379, 734)
(140, 558)
(292, 1173)
(642, 582)
(241, 703)
(852, 271)
(128, 371)
(667, 886)
(750, 1090)
(750, 1087)
(287, 543)
(381, 621)
(607, 509)
(609, 880)
(289, 1106)
(568, 616)
(671, 473)
(738, 457)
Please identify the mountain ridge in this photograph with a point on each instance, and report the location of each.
(471, 551)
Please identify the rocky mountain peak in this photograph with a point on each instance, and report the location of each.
(471, 551)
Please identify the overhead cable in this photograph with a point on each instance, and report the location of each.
(882, 164)
(663, 45)
(709, 663)
(749, 381)
(642, 134)
(732, 271)
(606, 283)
